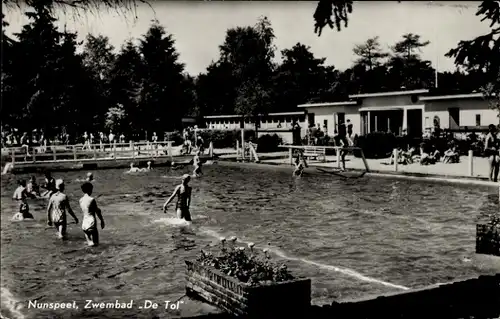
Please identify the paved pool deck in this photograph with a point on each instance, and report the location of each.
(457, 172)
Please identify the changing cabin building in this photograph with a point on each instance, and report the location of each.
(413, 112)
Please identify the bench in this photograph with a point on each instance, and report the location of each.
(315, 152)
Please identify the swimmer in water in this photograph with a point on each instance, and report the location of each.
(197, 165)
(90, 209)
(89, 178)
(148, 168)
(21, 196)
(183, 193)
(300, 165)
(50, 185)
(57, 210)
(133, 169)
(32, 188)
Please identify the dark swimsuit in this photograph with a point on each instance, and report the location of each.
(181, 204)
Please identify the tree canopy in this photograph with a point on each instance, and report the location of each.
(142, 86)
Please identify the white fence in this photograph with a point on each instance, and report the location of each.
(79, 152)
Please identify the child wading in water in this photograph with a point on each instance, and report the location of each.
(57, 209)
(90, 209)
(21, 196)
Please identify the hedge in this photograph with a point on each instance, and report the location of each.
(228, 138)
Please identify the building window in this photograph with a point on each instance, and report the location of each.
(325, 125)
(478, 119)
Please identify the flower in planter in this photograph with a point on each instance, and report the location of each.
(251, 245)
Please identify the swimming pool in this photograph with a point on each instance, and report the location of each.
(352, 237)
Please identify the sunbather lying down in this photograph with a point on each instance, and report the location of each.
(404, 157)
(451, 155)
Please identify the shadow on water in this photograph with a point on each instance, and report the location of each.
(353, 237)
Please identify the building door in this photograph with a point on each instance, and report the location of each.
(310, 119)
(364, 123)
(341, 128)
(454, 113)
(415, 123)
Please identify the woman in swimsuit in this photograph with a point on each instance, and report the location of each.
(491, 149)
(183, 193)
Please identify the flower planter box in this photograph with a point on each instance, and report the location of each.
(282, 299)
(488, 239)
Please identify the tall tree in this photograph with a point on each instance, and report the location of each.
(216, 89)
(406, 68)
(250, 51)
(369, 72)
(38, 52)
(98, 58)
(163, 95)
(300, 78)
(125, 83)
(483, 53)
(370, 54)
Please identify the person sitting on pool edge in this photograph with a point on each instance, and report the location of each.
(21, 196)
(183, 193)
(90, 209)
(57, 209)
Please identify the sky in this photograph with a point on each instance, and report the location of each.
(199, 27)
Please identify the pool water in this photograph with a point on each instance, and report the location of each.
(353, 238)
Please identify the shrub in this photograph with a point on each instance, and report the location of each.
(224, 138)
(376, 145)
(269, 143)
(246, 267)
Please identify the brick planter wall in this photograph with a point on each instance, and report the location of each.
(240, 299)
(488, 239)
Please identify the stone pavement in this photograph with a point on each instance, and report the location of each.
(480, 166)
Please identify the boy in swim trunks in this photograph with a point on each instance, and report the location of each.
(183, 193)
(90, 209)
(21, 196)
(57, 209)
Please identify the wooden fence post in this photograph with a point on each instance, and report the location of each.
(471, 163)
(395, 156)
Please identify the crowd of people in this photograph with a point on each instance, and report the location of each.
(58, 206)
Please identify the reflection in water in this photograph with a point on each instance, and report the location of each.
(351, 237)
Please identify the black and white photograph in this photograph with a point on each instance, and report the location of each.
(250, 159)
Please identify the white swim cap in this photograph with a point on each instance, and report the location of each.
(59, 182)
(186, 176)
(89, 174)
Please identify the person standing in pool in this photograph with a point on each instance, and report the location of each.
(21, 196)
(183, 193)
(197, 164)
(57, 210)
(50, 184)
(90, 209)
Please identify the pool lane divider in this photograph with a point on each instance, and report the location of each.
(346, 271)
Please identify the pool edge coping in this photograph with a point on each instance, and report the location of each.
(456, 179)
